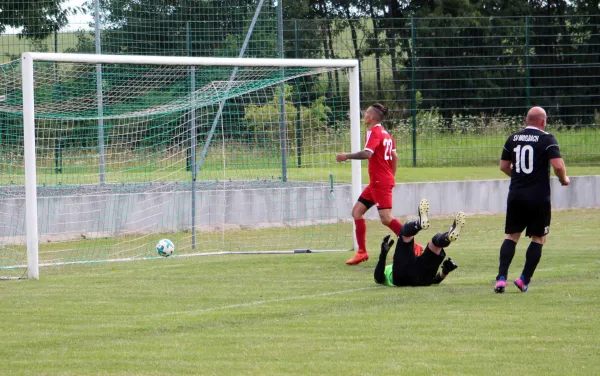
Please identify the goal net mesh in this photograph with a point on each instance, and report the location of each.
(214, 158)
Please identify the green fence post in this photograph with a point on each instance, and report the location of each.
(413, 91)
(298, 109)
(188, 156)
(190, 163)
(58, 162)
(282, 116)
(527, 66)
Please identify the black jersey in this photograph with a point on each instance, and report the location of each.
(530, 151)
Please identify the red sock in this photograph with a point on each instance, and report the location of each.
(361, 234)
(395, 226)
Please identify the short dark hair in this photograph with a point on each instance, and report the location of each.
(381, 109)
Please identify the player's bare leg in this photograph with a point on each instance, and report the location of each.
(360, 230)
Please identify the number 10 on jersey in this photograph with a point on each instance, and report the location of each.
(524, 159)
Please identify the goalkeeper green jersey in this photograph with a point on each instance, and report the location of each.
(388, 276)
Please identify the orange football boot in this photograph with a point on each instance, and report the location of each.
(360, 256)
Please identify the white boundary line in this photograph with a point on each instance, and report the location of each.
(219, 253)
(198, 312)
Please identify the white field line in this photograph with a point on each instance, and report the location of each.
(198, 312)
(218, 253)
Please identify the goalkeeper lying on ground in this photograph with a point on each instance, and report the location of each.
(413, 266)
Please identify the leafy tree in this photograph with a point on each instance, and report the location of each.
(36, 18)
(159, 27)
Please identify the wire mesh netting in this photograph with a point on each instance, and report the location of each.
(457, 86)
(174, 151)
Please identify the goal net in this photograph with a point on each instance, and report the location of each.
(102, 156)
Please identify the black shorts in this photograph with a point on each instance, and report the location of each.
(411, 270)
(535, 216)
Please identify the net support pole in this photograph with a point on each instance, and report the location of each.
(527, 66)
(211, 133)
(31, 210)
(413, 89)
(282, 117)
(192, 136)
(355, 137)
(298, 100)
(99, 93)
(231, 78)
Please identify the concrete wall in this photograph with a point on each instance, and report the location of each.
(62, 218)
(488, 196)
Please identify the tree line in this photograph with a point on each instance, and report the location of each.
(489, 58)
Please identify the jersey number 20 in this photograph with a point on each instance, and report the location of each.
(524, 159)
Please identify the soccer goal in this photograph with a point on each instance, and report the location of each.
(102, 156)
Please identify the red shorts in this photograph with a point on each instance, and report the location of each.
(418, 248)
(378, 195)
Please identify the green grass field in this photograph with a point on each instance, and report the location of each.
(311, 314)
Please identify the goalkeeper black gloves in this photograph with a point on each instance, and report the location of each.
(386, 244)
(448, 265)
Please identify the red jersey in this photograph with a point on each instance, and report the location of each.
(381, 144)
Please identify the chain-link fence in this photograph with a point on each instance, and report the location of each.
(457, 87)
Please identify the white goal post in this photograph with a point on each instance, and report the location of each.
(28, 60)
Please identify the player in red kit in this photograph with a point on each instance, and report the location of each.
(380, 150)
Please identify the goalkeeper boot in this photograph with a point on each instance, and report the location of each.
(360, 256)
(423, 211)
(412, 228)
(443, 240)
(500, 285)
(520, 283)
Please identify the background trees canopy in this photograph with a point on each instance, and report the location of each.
(476, 57)
(35, 18)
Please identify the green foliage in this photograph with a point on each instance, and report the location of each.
(36, 18)
(316, 116)
(432, 122)
(85, 42)
(188, 27)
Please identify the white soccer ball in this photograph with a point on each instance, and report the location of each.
(165, 247)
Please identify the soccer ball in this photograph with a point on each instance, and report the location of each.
(165, 247)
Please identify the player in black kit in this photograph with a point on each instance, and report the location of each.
(526, 158)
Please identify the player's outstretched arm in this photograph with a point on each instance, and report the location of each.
(363, 154)
(379, 273)
(560, 170)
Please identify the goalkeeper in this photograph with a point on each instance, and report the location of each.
(413, 266)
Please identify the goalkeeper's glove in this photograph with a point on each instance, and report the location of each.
(448, 266)
(386, 244)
